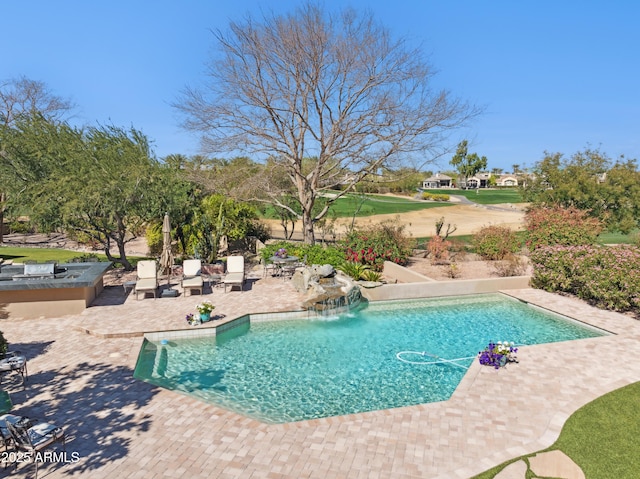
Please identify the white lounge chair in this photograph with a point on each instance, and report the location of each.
(147, 280)
(192, 276)
(235, 272)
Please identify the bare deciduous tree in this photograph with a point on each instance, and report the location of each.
(23, 96)
(332, 98)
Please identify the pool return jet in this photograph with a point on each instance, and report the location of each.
(438, 359)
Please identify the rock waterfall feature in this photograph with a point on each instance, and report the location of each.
(327, 291)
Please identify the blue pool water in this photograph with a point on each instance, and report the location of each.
(284, 371)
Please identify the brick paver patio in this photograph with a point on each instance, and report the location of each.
(120, 427)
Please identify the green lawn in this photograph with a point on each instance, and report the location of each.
(41, 255)
(619, 238)
(20, 255)
(379, 205)
(602, 437)
(370, 205)
(484, 196)
(604, 238)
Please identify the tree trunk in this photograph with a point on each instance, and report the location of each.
(307, 227)
(2, 200)
(120, 242)
(123, 256)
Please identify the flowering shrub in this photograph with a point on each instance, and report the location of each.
(495, 242)
(498, 354)
(550, 226)
(375, 245)
(205, 307)
(604, 275)
(438, 248)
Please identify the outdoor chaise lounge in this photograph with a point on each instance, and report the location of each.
(192, 276)
(235, 272)
(147, 280)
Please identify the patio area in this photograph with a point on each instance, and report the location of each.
(81, 378)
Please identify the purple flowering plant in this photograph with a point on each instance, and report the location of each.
(498, 354)
(281, 253)
(192, 320)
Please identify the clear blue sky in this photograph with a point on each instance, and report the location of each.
(553, 76)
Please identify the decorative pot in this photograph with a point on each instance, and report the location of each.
(204, 317)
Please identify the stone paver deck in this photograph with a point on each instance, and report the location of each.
(120, 427)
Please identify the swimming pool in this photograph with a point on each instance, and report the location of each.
(284, 371)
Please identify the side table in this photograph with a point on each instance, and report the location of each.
(128, 286)
(215, 280)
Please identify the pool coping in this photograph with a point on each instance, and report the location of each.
(162, 432)
(465, 384)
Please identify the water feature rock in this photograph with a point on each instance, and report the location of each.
(323, 270)
(325, 289)
(301, 279)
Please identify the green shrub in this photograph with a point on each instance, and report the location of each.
(353, 269)
(550, 226)
(85, 258)
(4, 345)
(434, 196)
(153, 234)
(22, 227)
(370, 275)
(375, 245)
(603, 275)
(315, 254)
(495, 242)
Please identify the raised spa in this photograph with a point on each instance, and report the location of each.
(49, 289)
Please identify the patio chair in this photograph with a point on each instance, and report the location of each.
(6, 440)
(32, 438)
(147, 279)
(270, 269)
(235, 272)
(192, 276)
(16, 362)
(288, 269)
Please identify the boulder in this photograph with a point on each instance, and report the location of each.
(323, 270)
(301, 279)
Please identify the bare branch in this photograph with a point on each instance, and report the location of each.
(332, 87)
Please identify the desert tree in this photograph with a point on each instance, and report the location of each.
(467, 164)
(21, 97)
(330, 97)
(100, 185)
(590, 181)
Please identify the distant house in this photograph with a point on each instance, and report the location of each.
(437, 181)
(481, 180)
(506, 180)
